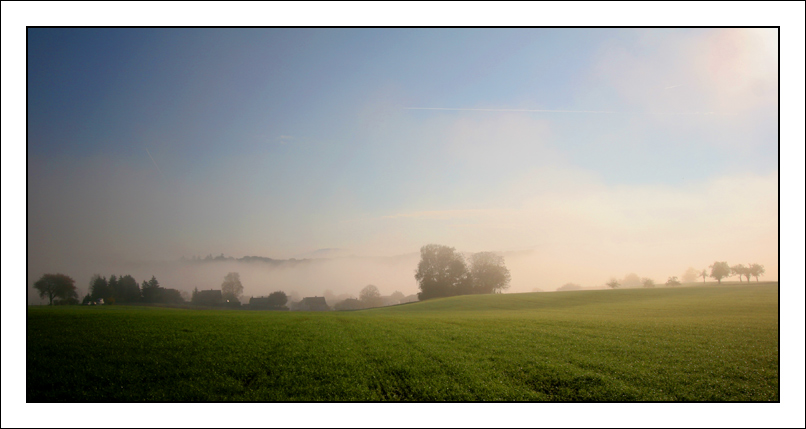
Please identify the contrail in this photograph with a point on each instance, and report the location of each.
(155, 162)
(511, 110)
(673, 86)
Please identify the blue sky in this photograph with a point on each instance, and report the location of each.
(628, 146)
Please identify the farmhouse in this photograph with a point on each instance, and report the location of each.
(259, 303)
(208, 297)
(315, 303)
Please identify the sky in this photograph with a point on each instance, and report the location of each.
(579, 154)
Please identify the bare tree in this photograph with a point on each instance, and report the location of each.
(613, 283)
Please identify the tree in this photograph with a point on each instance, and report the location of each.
(613, 283)
(99, 288)
(370, 296)
(441, 272)
(720, 270)
(631, 280)
(277, 299)
(113, 286)
(488, 273)
(171, 296)
(739, 270)
(673, 281)
(647, 282)
(397, 296)
(755, 270)
(231, 289)
(128, 290)
(152, 291)
(691, 275)
(56, 286)
(704, 273)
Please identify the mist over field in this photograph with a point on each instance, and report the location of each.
(531, 270)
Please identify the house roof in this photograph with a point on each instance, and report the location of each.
(315, 302)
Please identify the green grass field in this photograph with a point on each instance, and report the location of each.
(712, 343)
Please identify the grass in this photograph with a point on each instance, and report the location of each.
(715, 343)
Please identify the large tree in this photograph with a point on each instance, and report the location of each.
(489, 273)
(231, 288)
(672, 281)
(370, 296)
(58, 286)
(720, 270)
(755, 270)
(441, 272)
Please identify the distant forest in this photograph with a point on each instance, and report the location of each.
(251, 259)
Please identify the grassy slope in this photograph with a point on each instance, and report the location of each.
(697, 343)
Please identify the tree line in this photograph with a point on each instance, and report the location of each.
(443, 272)
(125, 290)
(60, 289)
(719, 271)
